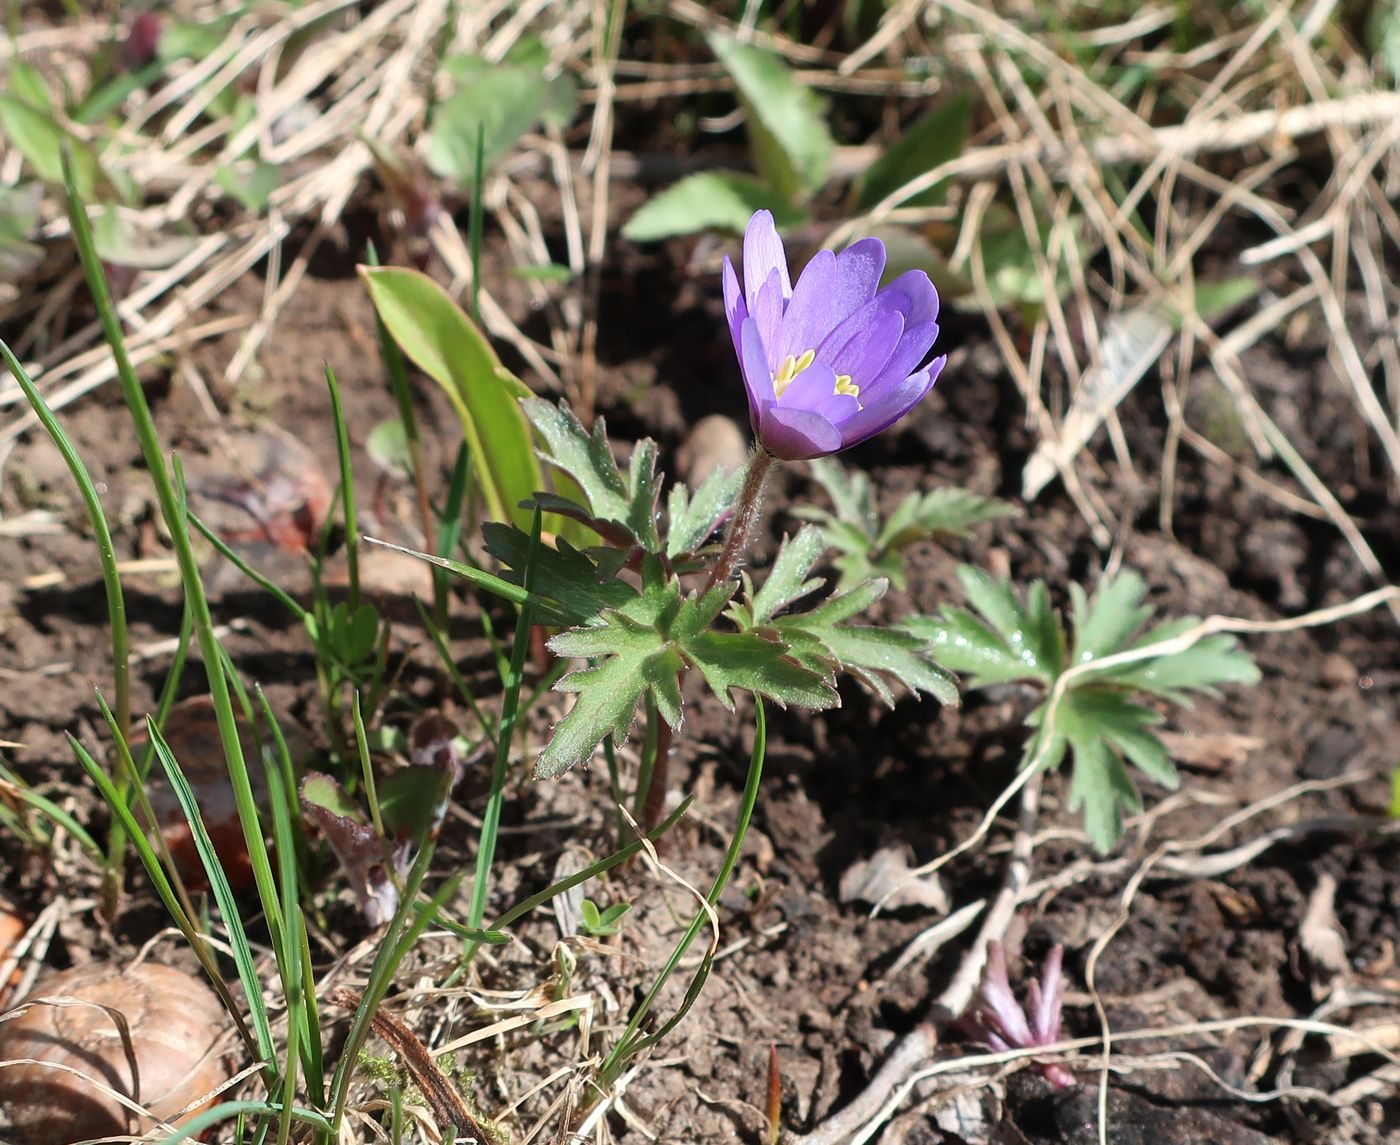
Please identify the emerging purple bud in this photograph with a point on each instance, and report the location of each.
(834, 359)
(142, 42)
(996, 1018)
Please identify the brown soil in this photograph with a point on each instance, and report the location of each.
(803, 971)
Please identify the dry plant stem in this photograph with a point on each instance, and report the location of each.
(655, 802)
(444, 1100)
(874, 1105)
(746, 515)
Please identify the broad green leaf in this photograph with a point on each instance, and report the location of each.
(37, 136)
(708, 200)
(387, 446)
(1213, 299)
(787, 132)
(933, 139)
(251, 184)
(27, 84)
(320, 790)
(434, 332)
(413, 801)
(498, 102)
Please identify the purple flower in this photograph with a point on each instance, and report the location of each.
(834, 359)
(996, 1018)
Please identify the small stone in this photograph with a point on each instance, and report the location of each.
(715, 442)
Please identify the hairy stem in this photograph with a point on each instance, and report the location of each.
(746, 516)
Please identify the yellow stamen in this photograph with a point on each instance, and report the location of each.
(788, 369)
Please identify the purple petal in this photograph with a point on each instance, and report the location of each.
(807, 319)
(767, 310)
(858, 270)
(753, 363)
(891, 404)
(763, 254)
(1046, 997)
(861, 345)
(734, 308)
(1002, 1014)
(922, 298)
(797, 434)
(909, 352)
(815, 389)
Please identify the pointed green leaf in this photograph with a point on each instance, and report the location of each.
(787, 132)
(743, 661)
(949, 512)
(562, 573)
(705, 201)
(36, 135)
(929, 142)
(433, 331)
(787, 581)
(692, 520)
(587, 459)
(1103, 624)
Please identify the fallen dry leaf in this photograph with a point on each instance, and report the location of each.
(884, 879)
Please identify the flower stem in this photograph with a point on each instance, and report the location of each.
(746, 516)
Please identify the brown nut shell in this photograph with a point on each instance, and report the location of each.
(176, 1025)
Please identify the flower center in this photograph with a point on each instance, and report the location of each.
(790, 367)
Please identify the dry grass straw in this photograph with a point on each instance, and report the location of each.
(1257, 96)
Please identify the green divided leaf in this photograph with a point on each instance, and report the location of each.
(787, 133)
(787, 579)
(821, 641)
(693, 520)
(1103, 728)
(1010, 640)
(432, 330)
(746, 662)
(929, 142)
(1096, 718)
(562, 573)
(708, 200)
(643, 648)
(612, 499)
(866, 548)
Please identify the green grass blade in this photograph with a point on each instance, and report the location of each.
(173, 514)
(505, 737)
(161, 884)
(347, 489)
(243, 958)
